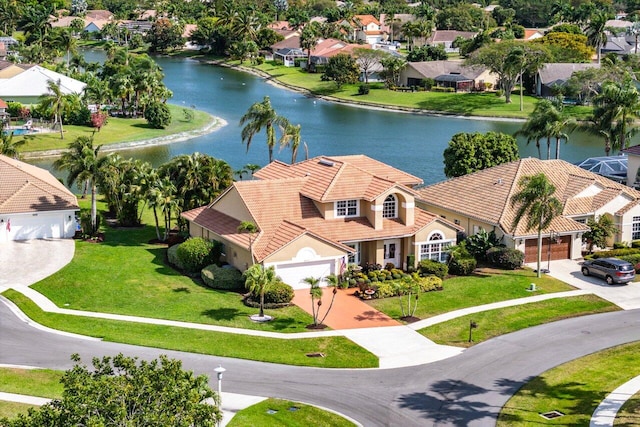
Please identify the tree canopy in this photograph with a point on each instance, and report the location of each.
(122, 390)
(471, 152)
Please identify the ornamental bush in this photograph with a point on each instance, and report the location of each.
(385, 290)
(614, 253)
(462, 266)
(505, 258)
(430, 267)
(195, 254)
(157, 115)
(227, 278)
(430, 283)
(277, 295)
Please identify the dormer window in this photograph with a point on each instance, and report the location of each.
(390, 207)
(346, 208)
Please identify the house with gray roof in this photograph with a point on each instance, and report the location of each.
(447, 74)
(557, 74)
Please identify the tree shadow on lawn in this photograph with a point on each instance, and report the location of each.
(225, 313)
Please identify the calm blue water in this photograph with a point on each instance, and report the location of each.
(17, 131)
(411, 142)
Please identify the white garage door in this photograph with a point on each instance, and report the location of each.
(294, 274)
(36, 227)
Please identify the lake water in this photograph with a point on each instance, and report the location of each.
(411, 142)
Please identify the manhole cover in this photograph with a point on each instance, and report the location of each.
(551, 415)
(293, 408)
(271, 411)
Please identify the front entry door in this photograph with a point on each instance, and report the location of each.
(391, 252)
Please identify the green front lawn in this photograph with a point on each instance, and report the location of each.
(502, 321)
(31, 382)
(12, 409)
(288, 414)
(574, 389)
(339, 351)
(629, 414)
(483, 287)
(118, 130)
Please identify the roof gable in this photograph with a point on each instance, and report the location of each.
(27, 188)
(34, 82)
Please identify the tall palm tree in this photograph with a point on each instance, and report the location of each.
(309, 39)
(316, 297)
(291, 137)
(617, 107)
(258, 280)
(536, 205)
(57, 101)
(261, 115)
(595, 31)
(82, 163)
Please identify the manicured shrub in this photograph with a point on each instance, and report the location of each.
(363, 89)
(79, 116)
(385, 290)
(615, 253)
(222, 277)
(158, 115)
(462, 266)
(633, 259)
(172, 256)
(505, 258)
(195, 254)
(278, 293)
(620, 245)
(429, 283)
(635, 244)
(430, 267)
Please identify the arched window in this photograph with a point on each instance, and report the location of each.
(436, 247)
(390, 207)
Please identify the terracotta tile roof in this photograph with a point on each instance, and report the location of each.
(366, 19)
(631, 150)
(27, 188)
(281, 203)
(486, 195)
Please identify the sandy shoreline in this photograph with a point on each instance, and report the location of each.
(367, 106)
(215, 124)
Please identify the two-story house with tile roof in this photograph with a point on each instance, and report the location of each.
(482, 200)
(315, 216)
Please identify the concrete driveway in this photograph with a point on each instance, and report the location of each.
(626, 297)
(25, 262)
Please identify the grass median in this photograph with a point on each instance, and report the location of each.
(493, 323)
(339, 352)
(119, 130)
(575, 389)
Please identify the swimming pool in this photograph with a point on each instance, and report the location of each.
(19, 131)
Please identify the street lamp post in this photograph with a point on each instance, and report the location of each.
(219, 371)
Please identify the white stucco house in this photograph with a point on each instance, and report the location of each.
(29, 85)
(33, 203)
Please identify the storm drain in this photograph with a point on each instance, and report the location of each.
(551, 415)
(271, 411)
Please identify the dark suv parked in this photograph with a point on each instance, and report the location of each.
(613, 270)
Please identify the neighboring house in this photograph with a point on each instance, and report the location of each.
(620, 45)
(10, 44)
(315, 216)
(482, 200)
(287, 43)
(9, 69)
(288, 55)
(4, 113)
(186, 34)
(557, 74)
(391, 26)
(96, 25)
(447, 74)
(64, 21)
(327, 48)
(136, 27)
(633, 165)
(363, 29)
(28, 86)
(532, 34)
(447, 37)
(33, 203)
(99, 15)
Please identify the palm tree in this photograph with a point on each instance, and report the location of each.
(251, 228)
(291, 137)
(57, 101)
(536, 205)
(308, 40)
(533, 129)
(617, 106)
(595, 31)
(82, 162)
(261, 115)
(258, 280)
(316, 297)
(556, 126)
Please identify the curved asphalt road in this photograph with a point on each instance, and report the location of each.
(467, 390)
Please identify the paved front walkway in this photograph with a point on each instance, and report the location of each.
(347, 311)
(605, 413)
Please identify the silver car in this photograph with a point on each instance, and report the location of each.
(613, 270)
